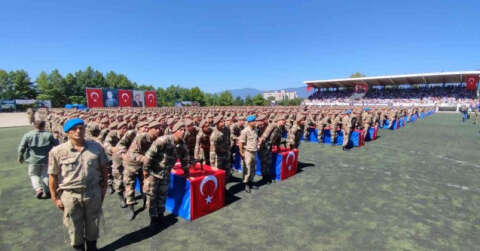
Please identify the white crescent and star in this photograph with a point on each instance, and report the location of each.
(150, 97)
(125, 97)
(206, 179)
(289, 163)
(94, 94)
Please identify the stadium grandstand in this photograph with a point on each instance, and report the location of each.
(448, 91)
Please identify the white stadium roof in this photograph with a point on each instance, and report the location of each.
(422, 78)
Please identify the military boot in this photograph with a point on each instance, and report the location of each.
(92, 246)
(247, 187)
(112, 190)
(79, 247)
(131, 212)
(122, 200)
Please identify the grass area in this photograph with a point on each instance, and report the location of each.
(412, 189)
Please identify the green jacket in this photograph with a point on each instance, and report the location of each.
(35, 146)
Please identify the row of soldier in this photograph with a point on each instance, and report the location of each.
(145, 145)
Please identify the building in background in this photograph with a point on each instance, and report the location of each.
(279, 95)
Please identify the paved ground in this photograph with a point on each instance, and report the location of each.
(412, 189)
(13, 119)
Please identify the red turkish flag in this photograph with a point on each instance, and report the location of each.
(472, 82)
(150, 98)
(124, 98)
(94, 97)
(309, 87)
(289, 163)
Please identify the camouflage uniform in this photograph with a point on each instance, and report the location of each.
(133, 164)
(265, 150)
(220, 151)
(159, 161)
(202, 146)
(111, 141)
(294, 136)
(347, 127)
(190, 138)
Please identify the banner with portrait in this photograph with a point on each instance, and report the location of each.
(138, 99)
(110, 97)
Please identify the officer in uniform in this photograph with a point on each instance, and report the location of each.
(248, 144)
(159, 161)
(78, 182)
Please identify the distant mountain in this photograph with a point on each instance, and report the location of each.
(301, 92)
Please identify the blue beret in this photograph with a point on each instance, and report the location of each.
(348, 111)
(367, 109)
(72, 123)
(251, 118)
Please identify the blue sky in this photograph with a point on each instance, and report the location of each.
(227, 44)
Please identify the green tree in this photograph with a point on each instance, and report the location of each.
(6, 86)
(248, 100)
(22, 86)
(197, 95)
(225, 98)
(259, 100)
(357, 75)
(238, 101)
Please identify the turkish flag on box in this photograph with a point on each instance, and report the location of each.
(472, 82)
(150, 98)
(124, 98)
(201, 194)
(285, 163)
(94, 97)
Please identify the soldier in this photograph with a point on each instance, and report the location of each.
(110, 145)
(202, 143)
(265, 147)
(220, 148)
(104, 123)
(295, 133)
(333, 128)
(133, 162)
(35, 145)
(78, 182)
(366, 121)
(30, 115)
(322, 122)
(248, 143)
(159, 161)
(190, 137)
(347, 127)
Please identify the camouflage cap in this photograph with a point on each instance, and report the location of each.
(203, 123)
(104, 121)
(113, 126)
(180, 124)
(217, 119)
(153, 124)
(188, 122)
(122, 124)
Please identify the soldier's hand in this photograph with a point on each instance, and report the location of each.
(145, 173)
(59, 204)
(20, 160)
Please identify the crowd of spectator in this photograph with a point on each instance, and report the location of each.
(437, 95)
